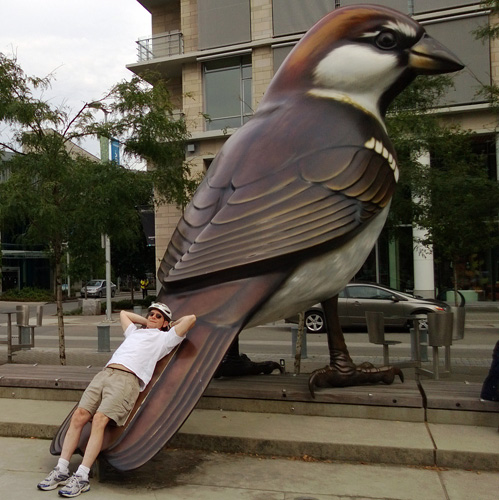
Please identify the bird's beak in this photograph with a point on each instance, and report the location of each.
(429, 57)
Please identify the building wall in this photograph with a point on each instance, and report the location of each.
(261, 19)
(494, 52)
(263, 71)
(166, 17)
(274, 26)
(189, 23)
(192, 89)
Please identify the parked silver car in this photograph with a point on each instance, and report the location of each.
(357, 298)
(97, 288)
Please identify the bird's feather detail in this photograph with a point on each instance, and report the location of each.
(262, 209)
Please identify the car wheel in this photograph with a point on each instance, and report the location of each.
(113, 293)
(314, 322)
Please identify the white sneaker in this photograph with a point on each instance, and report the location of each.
(74, 487)
(53, 480)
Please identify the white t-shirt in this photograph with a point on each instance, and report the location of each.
(142, 349)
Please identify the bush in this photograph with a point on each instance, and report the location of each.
(28, 294)
(74, 312)
(127, 304)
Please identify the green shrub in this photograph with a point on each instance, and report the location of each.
(74, 312)
(127, 304)
(28, 294)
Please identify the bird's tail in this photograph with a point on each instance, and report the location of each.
(181, 377)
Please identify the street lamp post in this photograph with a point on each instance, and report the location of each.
(107, 247)
(106, 243)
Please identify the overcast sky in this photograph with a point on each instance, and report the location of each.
(85, 44)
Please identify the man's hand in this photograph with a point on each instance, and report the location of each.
(127, 318)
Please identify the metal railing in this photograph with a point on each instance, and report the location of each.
(166, 44)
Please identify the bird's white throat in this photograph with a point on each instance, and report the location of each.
(356, 74)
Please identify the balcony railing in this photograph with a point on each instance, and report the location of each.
(166, 44)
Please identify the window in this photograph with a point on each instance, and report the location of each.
(223, 22)
(368, 292)
(207, 163)
(227, 90)
(361, 292)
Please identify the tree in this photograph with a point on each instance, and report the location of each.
(66, 198)
(460, 213)
(454, 201)
(488, 30)
(141, 115)
(490, 90)
(411, 126)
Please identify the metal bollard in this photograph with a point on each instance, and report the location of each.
(22, 320)
(137, 310)
(459, 322)
(103, 338)
(39, 315)
(294, 336)
(25, 336)
(22, 315)
(423, 337)
(423, 346)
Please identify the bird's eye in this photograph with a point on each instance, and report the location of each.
(386, 40)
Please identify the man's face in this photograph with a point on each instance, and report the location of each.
(156, 320)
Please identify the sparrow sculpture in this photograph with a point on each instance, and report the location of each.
(287, 213)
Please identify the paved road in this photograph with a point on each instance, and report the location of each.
(274, 341)
(481, 333)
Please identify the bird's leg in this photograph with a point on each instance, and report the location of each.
(238, 365)
(335, 338)
(342, 371)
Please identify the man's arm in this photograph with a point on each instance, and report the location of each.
(127, 318)
(183, 324)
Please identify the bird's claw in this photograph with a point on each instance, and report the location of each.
(343, 372)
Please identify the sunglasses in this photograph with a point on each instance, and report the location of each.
(156, 315)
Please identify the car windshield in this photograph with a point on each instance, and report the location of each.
(94, 283)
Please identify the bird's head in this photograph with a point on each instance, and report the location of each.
(364, 54)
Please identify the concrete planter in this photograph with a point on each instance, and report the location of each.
(89, 307)
(469, 296)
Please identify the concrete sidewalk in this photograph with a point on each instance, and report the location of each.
(416, 443)
(188, 474)
(329, 455)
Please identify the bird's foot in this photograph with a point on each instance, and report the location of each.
(242, 365)
(342, 372)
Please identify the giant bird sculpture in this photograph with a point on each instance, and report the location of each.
(288, 212)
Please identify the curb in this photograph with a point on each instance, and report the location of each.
(315, 437)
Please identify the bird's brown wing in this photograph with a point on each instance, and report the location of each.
(267, 202)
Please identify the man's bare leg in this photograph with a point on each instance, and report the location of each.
(60, 475)
(79, 482)
(79, 419)
(95, 440)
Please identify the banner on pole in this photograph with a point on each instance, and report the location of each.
(115, 151)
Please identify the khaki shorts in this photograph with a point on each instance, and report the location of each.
(113, 393)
